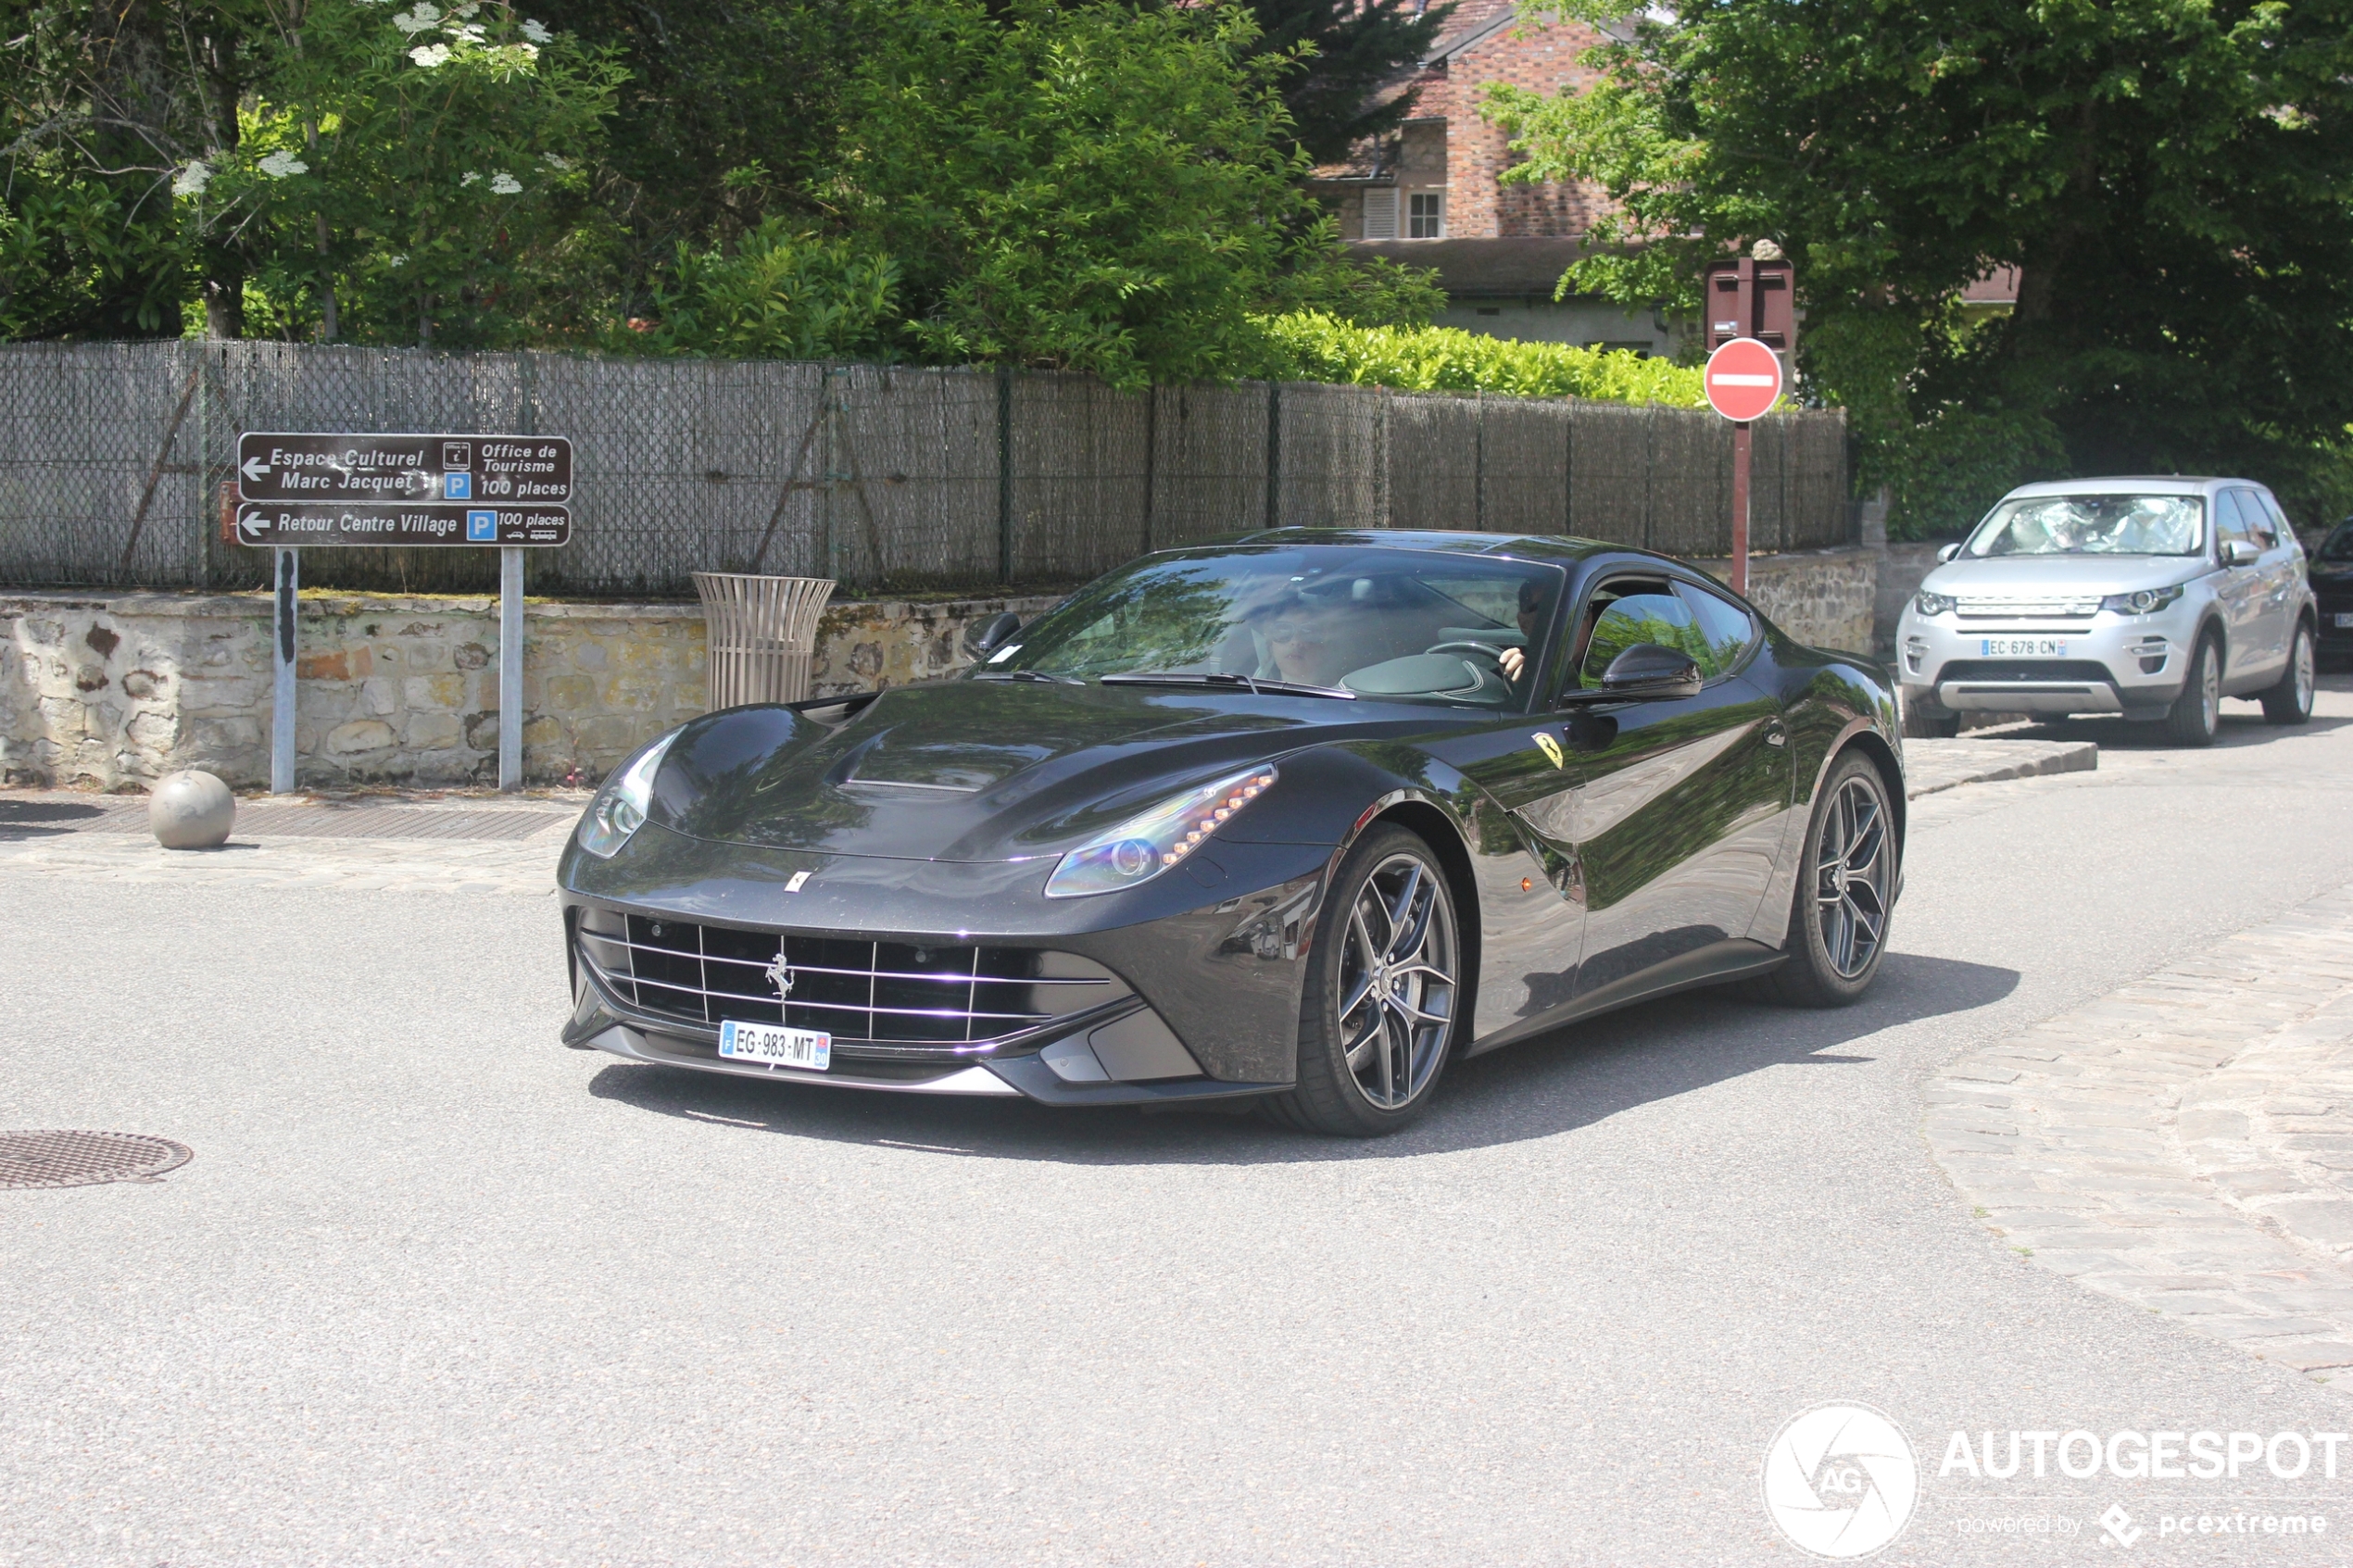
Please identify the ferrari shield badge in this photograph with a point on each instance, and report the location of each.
(1549, 747)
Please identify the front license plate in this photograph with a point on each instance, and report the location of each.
(2022, 647)
(2343, 620)
(772, 1047)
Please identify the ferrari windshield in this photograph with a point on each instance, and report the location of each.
(1398, 625)
(2093, 525)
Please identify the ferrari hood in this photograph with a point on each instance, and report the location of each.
(971, 770)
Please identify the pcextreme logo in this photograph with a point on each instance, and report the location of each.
(1840, 1481)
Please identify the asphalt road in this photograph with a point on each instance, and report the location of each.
(436, 1290)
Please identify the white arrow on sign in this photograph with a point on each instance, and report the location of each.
(253, 468)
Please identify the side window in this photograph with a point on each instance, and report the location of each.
(2228, 524)
(2257, 520)
(1725, 625)
(2280, 523)
(1647, 616)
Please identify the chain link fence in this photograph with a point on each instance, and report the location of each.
(116, 460)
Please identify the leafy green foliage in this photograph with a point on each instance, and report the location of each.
(781, 293)
(1312, 346)
(2174, 180)
(1352, 47)
(1088, 188)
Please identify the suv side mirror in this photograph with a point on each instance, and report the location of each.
(993, 635)
(1947, 552)
(2239, 552)
(1648, 672)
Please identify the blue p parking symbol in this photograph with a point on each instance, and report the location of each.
(482, 528)
(457, 487)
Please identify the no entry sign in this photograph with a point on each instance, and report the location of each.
(1743, 380)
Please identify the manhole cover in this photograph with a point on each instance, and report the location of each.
(81, 1159)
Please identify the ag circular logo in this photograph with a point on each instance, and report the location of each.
(1840, 1481)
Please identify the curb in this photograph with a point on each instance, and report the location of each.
(1930, 767)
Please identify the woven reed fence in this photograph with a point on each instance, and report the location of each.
(114, 458)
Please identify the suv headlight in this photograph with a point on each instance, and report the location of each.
(1143, 847)
(619, 808)
(2146, 601)
(1931, 604)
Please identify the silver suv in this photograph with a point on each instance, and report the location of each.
(2154, 598)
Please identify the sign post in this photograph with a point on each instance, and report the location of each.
(1743, 380)
(1751, 321)
(303, 489)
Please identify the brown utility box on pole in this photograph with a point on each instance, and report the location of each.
(1751, 298)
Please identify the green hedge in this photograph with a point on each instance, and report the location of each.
(1308, 346)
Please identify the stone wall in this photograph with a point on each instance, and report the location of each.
(115, 690)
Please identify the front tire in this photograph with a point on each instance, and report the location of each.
(1381, 1011)
(2196, 714)
(2290, 702)
(1845, 891)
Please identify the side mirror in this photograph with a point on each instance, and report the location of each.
(1650, 672)
(1947, 552)
(2239, 552)
(992, 636)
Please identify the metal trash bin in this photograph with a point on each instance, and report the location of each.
(762, 632)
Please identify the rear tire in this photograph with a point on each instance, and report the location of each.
(1846, 892)
(2290, 702)
(1380, 1012)
(2196, 714)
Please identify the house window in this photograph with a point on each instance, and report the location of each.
(1426, 219)
(1380, 214)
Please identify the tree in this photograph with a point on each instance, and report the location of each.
(1337, 55)
(2174, 181)
(1094, 187)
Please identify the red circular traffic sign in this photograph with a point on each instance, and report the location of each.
(1743, 378)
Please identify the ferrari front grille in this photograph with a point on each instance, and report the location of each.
(892, 992)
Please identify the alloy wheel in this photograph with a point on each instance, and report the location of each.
(1397, 980)
(2209, 690)
(1851, 877)
(2303, 672)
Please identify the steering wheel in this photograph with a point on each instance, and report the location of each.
(1490, 649)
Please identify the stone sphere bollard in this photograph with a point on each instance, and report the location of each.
(191, 810)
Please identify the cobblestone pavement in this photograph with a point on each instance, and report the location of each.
(2185, 1143)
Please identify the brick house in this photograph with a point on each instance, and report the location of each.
(1431, 196)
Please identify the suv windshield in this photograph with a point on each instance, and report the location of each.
(2340, 543)
(1398, 625)
(2093, 525)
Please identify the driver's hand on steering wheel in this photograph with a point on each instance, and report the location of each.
(1513, 661)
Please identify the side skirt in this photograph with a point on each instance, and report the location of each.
(1734, 959)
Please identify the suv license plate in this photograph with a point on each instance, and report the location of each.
(2022, 647)
(772, 1047)
(2343, 619)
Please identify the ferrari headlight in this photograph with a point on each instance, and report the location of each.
(1931, 604)
(2148, 601)
(619, 808)
(1143, 847)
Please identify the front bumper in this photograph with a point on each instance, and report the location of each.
(2134, 665)
(1204, 974)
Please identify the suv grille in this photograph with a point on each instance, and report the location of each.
(2027, 671)
(2040, 606)
(882, 991)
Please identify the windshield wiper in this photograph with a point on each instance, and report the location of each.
(1250, 684)
(1025, 675)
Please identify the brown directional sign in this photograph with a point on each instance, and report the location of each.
(483, 469)
(314, 523)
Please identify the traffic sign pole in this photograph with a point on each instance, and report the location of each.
(282, 695)
(1740, 507)
(511, 667)
(1742, 380)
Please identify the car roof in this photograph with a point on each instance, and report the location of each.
(1561, 547)
(2134, 484)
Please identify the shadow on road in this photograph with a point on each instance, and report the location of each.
(44, 818)
(1579, 1075)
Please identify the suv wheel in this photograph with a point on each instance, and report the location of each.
(2196, 714)
(2290, 702)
